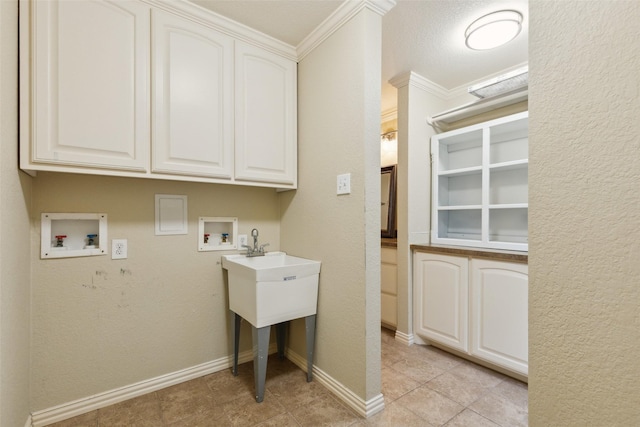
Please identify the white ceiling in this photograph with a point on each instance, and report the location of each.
(424, 36)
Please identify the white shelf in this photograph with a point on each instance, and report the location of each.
(514, 164)
(480, 185)
(458, 208)
(510, 206)
(463, 171)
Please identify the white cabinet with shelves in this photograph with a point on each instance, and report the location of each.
(154, 90)
(473, 305)
(480, 185)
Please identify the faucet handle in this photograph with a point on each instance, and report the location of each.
(262, 247)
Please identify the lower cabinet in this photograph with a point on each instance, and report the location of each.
(499, 313)
(441, 294)
(473, 305)
(389, 287)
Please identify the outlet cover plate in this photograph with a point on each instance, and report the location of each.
(119, 249)
(344, 184)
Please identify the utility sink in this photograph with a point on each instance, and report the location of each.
(274, 288)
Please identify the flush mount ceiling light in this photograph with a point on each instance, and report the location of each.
(493, 30)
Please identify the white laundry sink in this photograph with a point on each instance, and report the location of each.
(274, 288)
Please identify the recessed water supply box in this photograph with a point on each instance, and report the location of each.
(67, 235)
(217, 234)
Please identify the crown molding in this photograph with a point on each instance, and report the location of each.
(337, 19)
(238, 31)
(416, 80)
(389, 114)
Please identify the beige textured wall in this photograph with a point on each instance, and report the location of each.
(98, 323)
(584, 182)
(337, 85)
(15, 195)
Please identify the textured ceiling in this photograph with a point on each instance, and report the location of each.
(424, 36)
(427, 37)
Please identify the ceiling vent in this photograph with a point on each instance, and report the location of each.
(509, 82)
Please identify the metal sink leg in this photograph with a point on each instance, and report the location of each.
(260, 356)
(310, 333)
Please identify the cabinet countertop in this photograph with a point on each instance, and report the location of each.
(500, 255)
(388, 242)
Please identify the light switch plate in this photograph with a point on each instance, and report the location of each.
(344, 184)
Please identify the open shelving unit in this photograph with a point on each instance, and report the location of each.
(480, 185)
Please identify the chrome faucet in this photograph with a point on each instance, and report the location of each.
(256, 250)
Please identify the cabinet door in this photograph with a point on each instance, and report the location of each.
(192, 98)
(499, 313)
(90, 84)
(441, 294)
(389, 286)
(265, 127)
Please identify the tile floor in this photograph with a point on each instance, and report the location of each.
(422, 386)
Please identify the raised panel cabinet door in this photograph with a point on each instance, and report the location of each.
(441, 292)
(90, 84)
(389, 278)
(191, 98)
(389, 310)
(389, 286)
(265, 122)
(499, 313)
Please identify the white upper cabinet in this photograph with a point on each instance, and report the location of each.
(155, 90)
(192, 92)
(89, 91)
(480, 185)
(265, 126)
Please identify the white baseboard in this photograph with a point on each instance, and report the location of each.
(101, 400)
(362, 407)
(407, 339)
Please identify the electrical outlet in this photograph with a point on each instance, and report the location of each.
(344, 184)
(119, 249)
(242, 240)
